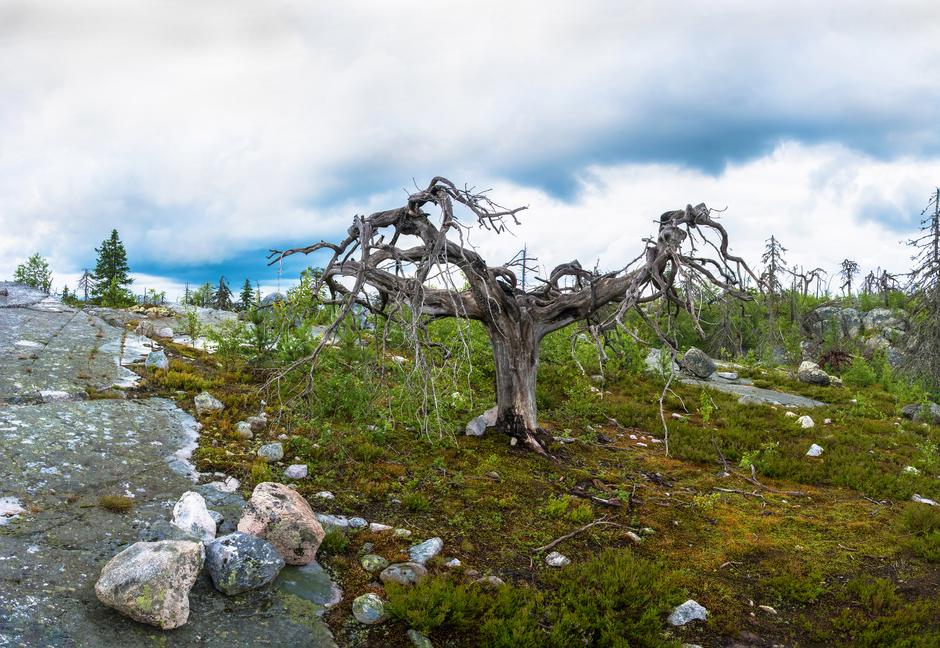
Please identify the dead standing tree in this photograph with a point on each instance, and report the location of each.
(690, 248)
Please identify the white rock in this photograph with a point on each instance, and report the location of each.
(806, 422)
(814, 451)
(767, 609)
(911, 470)
(790, 414)
(296, 471)
(827, 422)
(555, 559)
(923, 500)
(191, 515)
(375, 527)
(478, 425)
(327, 495)
(206, 402)
(243, 430)
(453, 563)
(421, 553)
(688, 611)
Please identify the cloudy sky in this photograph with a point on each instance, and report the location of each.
(208, 132)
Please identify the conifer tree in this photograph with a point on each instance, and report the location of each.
(111, 269)
(223, 295)
(85, 284)
(922, 358)
(35, 273)
(247, 295)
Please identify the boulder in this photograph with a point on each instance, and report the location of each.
(697, 363)
(916, 412)
(145, 328)
(811, 374)
(478, 425)
(407, 573)
(271, 452)
(687, 612)
(157, 360)
(206, 402)
(150, 581)
(191, 515)
(423, 552)
(239, 562)
(879, 319)
(845, 322)
(369, 609)
(282, 517)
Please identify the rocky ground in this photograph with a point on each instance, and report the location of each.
(71, 436)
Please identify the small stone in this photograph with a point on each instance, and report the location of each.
(634, 538)
(327, 495)
(767, 609)
(407, 573)
(157, 360)
(827, 421)
(490, 581)
(257, 423)
(271, 452)
(806, 422)
(418, 640)
(206, 402)
(453, 563)
(402, 533)
(373, 562)
(369, 609)
(243, 430)
(478, 425)
(555, 559)
(814, 451)
(333, 521)
(687, 612)
(296, 471)
(239, 562)
(423, 552)
(911, 470)
(513, 441)
(375, 527)
(358, 523)
(191, 515)
(923, 500)
(790, 414)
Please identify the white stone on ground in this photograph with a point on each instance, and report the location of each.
(814, 451)
(555, 559)
(369, 609)
(421, 553)
(191, 515)
(806, 422)
(923, 500)
(687, 612)
(296, 471)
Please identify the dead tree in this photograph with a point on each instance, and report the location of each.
(441, 275)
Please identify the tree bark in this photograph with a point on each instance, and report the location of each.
(516, 346)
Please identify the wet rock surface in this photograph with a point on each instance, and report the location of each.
(61, 456)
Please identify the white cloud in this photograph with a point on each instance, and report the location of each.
(206, 129)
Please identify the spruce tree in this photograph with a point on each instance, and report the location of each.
(247, 295)
(922, 357)
(111, 269)
(35, 273)
(85, 284)
(223, 295)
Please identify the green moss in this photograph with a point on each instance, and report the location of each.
(116, 503)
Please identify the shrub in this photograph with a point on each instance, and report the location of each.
(921, 523)
(116, 503)
(334, 542)
(859, 374)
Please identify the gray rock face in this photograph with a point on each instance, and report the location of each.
(239, 562)
(206, 402)
(273, 298)
(687, 612)
(423, 552)
(150, 581)
(478, 425)
(697, 363)
(271, 452)
(157, 360)
(369, 609)
(879, 319)
(407, 573)
(844, 322)
(810, 373)
(915, 412)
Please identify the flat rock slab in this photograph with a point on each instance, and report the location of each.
(60, 456)
(768, 396)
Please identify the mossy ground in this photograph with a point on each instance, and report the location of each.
(839, 562)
